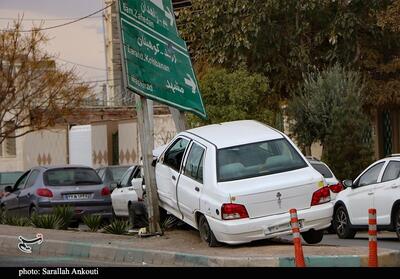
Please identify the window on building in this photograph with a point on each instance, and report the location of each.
(10, 143)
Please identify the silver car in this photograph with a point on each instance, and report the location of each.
(40, 189)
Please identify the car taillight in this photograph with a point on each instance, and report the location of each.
(231, 211)
(105, 191)
(321, 196)
(336, 188)
(44, 192)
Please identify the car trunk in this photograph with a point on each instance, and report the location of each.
(77, 193)
(273, 194)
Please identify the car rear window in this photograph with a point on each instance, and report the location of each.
(71, 176)
(322, 169)
(257, 159)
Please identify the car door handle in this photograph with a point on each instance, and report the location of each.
(370, 194)
(395, 186)
(197, 189)
(173, 177)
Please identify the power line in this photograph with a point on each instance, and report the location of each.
(61, 25)
(82, 65)
(46, 19)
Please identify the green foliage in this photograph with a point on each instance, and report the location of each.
(117, 227)
(50, 221)
(235, 96)
(92, 221)
(15, 221)
(2, 215)
(328, 109)
(65, 214)
(169, 222)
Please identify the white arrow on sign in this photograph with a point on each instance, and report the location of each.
(190, 82)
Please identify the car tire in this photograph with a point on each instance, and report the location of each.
(313, 236)
(33, 210)
(397, 223)
(206, 233)
(341, 224)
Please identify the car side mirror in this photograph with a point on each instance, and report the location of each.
(154, 162)
(348, 183)
(8, 189)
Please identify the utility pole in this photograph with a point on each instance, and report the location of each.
(179, 119)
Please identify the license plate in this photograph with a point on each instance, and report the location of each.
(77, 196)
(281, 228)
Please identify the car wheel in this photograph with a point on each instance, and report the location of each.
(313, 236)
(32, 211)
(397, 223)
(206, 233)
(341, 223)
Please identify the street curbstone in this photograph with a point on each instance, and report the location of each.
(323, 261)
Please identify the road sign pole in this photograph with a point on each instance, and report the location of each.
(179, 119)
(146, 137)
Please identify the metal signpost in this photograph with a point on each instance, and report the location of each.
(156, 66)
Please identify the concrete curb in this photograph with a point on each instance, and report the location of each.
(152, 257)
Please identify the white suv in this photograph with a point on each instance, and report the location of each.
(376, 187)
(236, 182)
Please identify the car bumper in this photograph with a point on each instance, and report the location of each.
(246, 230)
(101, 208)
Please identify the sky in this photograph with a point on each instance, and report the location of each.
(81, 42)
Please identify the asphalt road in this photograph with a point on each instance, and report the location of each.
(386, 240)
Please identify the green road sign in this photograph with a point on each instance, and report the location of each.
(157, 62)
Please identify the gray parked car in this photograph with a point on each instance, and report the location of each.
(8, 179)
(40, 189)
(111, 175)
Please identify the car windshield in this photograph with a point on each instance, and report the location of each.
(257, 159)
(71, 176)
(322, 169)
(118, 172)
(9, 178)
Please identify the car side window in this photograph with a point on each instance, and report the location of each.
(370, 176)
(101, 173)
(174, 155)
(194, 163)
(32, 178)
(392, 171)
(21, 181)
(125, 178)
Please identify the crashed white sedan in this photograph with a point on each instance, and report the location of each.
(236, 182)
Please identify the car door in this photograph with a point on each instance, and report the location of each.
(24, 199)
(117, 196)
(11, 200)
(128, 193)
(168, 170)
(360, 198)
(387, 192)
(190, 184)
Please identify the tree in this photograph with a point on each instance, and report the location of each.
(328, 109)
(34, 94)
(235, 95)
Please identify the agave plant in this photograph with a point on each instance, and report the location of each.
(15, 221)
(117, 227)
(65, 213)
(50, 221)
(92, 221)
(169, 222)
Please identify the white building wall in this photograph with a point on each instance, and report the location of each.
(99, 146)
(128, 143)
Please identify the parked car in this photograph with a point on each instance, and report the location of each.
(8, 179)
(334, 184)
(129, 191)
(111, 175)
(236, 182)
(40, 189)
(378, 186)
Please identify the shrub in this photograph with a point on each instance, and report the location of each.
(65, 213)
(15, 221)
(169, 222)
(92, 221)
(117, 227)
(46, 221)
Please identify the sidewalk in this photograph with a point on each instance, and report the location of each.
(183, 248)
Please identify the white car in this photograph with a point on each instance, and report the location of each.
(236, 182)
(128, 192)
(376, 187)
(334, 184)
